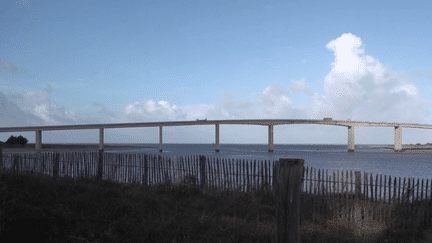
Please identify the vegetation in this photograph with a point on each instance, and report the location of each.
(16, 141)
(46, 209)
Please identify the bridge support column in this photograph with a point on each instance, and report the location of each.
(38, 143)
(398, 139)
(217, 145)
(270, 138)
(351, 139)
(101, 139)
(160, 138)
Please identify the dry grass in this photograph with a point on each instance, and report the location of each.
(87, 210)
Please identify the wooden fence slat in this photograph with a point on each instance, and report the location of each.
(266, 174)
(347, 194)
(157, 169)
(225, 173)
(385, 198)
(222, 174)
(145, 169)
(231, 173)
(195, 169)
(254, 177)
(211, 172)
(191, 168)
(163, 169)
(426, 198)
(263, 174)
(130, 168)
(372, 200)
(230, 170)
(215, 175)
(327, 187)
(382, 213)
(318, 190)
(242, 175)
(218, 172)
(125, 168)
(247, 177)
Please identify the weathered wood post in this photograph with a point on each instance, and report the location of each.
(15, 163)
(56, 165)
(288, 175)
(100, 165)
(1, 160)
(145, 174)
(357, 184)
(358, 215)
(202, 170)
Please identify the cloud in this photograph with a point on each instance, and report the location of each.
(10, 68)
(103, 111)
(39, 104)
(273, 102)
(360, 87)
(151, 110)
(423, 74)
(12, 116)
(299, 86)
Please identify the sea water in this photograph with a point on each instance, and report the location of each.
(375, 159)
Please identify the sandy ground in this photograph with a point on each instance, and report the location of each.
(29, 148)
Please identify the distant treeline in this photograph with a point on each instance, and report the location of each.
(15, 141)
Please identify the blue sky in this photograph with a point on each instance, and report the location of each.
(80, 62)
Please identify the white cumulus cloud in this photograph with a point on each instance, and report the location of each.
(152, 110)
(360, 87)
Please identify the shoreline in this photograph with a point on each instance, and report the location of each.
(69, 148)
(413, 148)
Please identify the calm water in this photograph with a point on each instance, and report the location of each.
(370, 158)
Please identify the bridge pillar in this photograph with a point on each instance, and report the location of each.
(270, 138)
(351, 139)
(398, 139)
(217, 145)
(38, 143)
(101, 138)
(160, 138)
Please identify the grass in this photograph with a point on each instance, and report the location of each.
(86, 210)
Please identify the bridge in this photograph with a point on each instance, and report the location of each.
(270, 123)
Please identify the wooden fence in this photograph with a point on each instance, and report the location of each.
(235, 175)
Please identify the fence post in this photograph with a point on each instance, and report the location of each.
(36, 162)
(358, 215)
(56, 165)
(1, 157)
(288, 175)
(100, 164)
(202, 169)
(1, 160)
(145, 174)
(357, 184)
(15, 163)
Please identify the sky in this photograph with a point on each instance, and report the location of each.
(92, 62)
